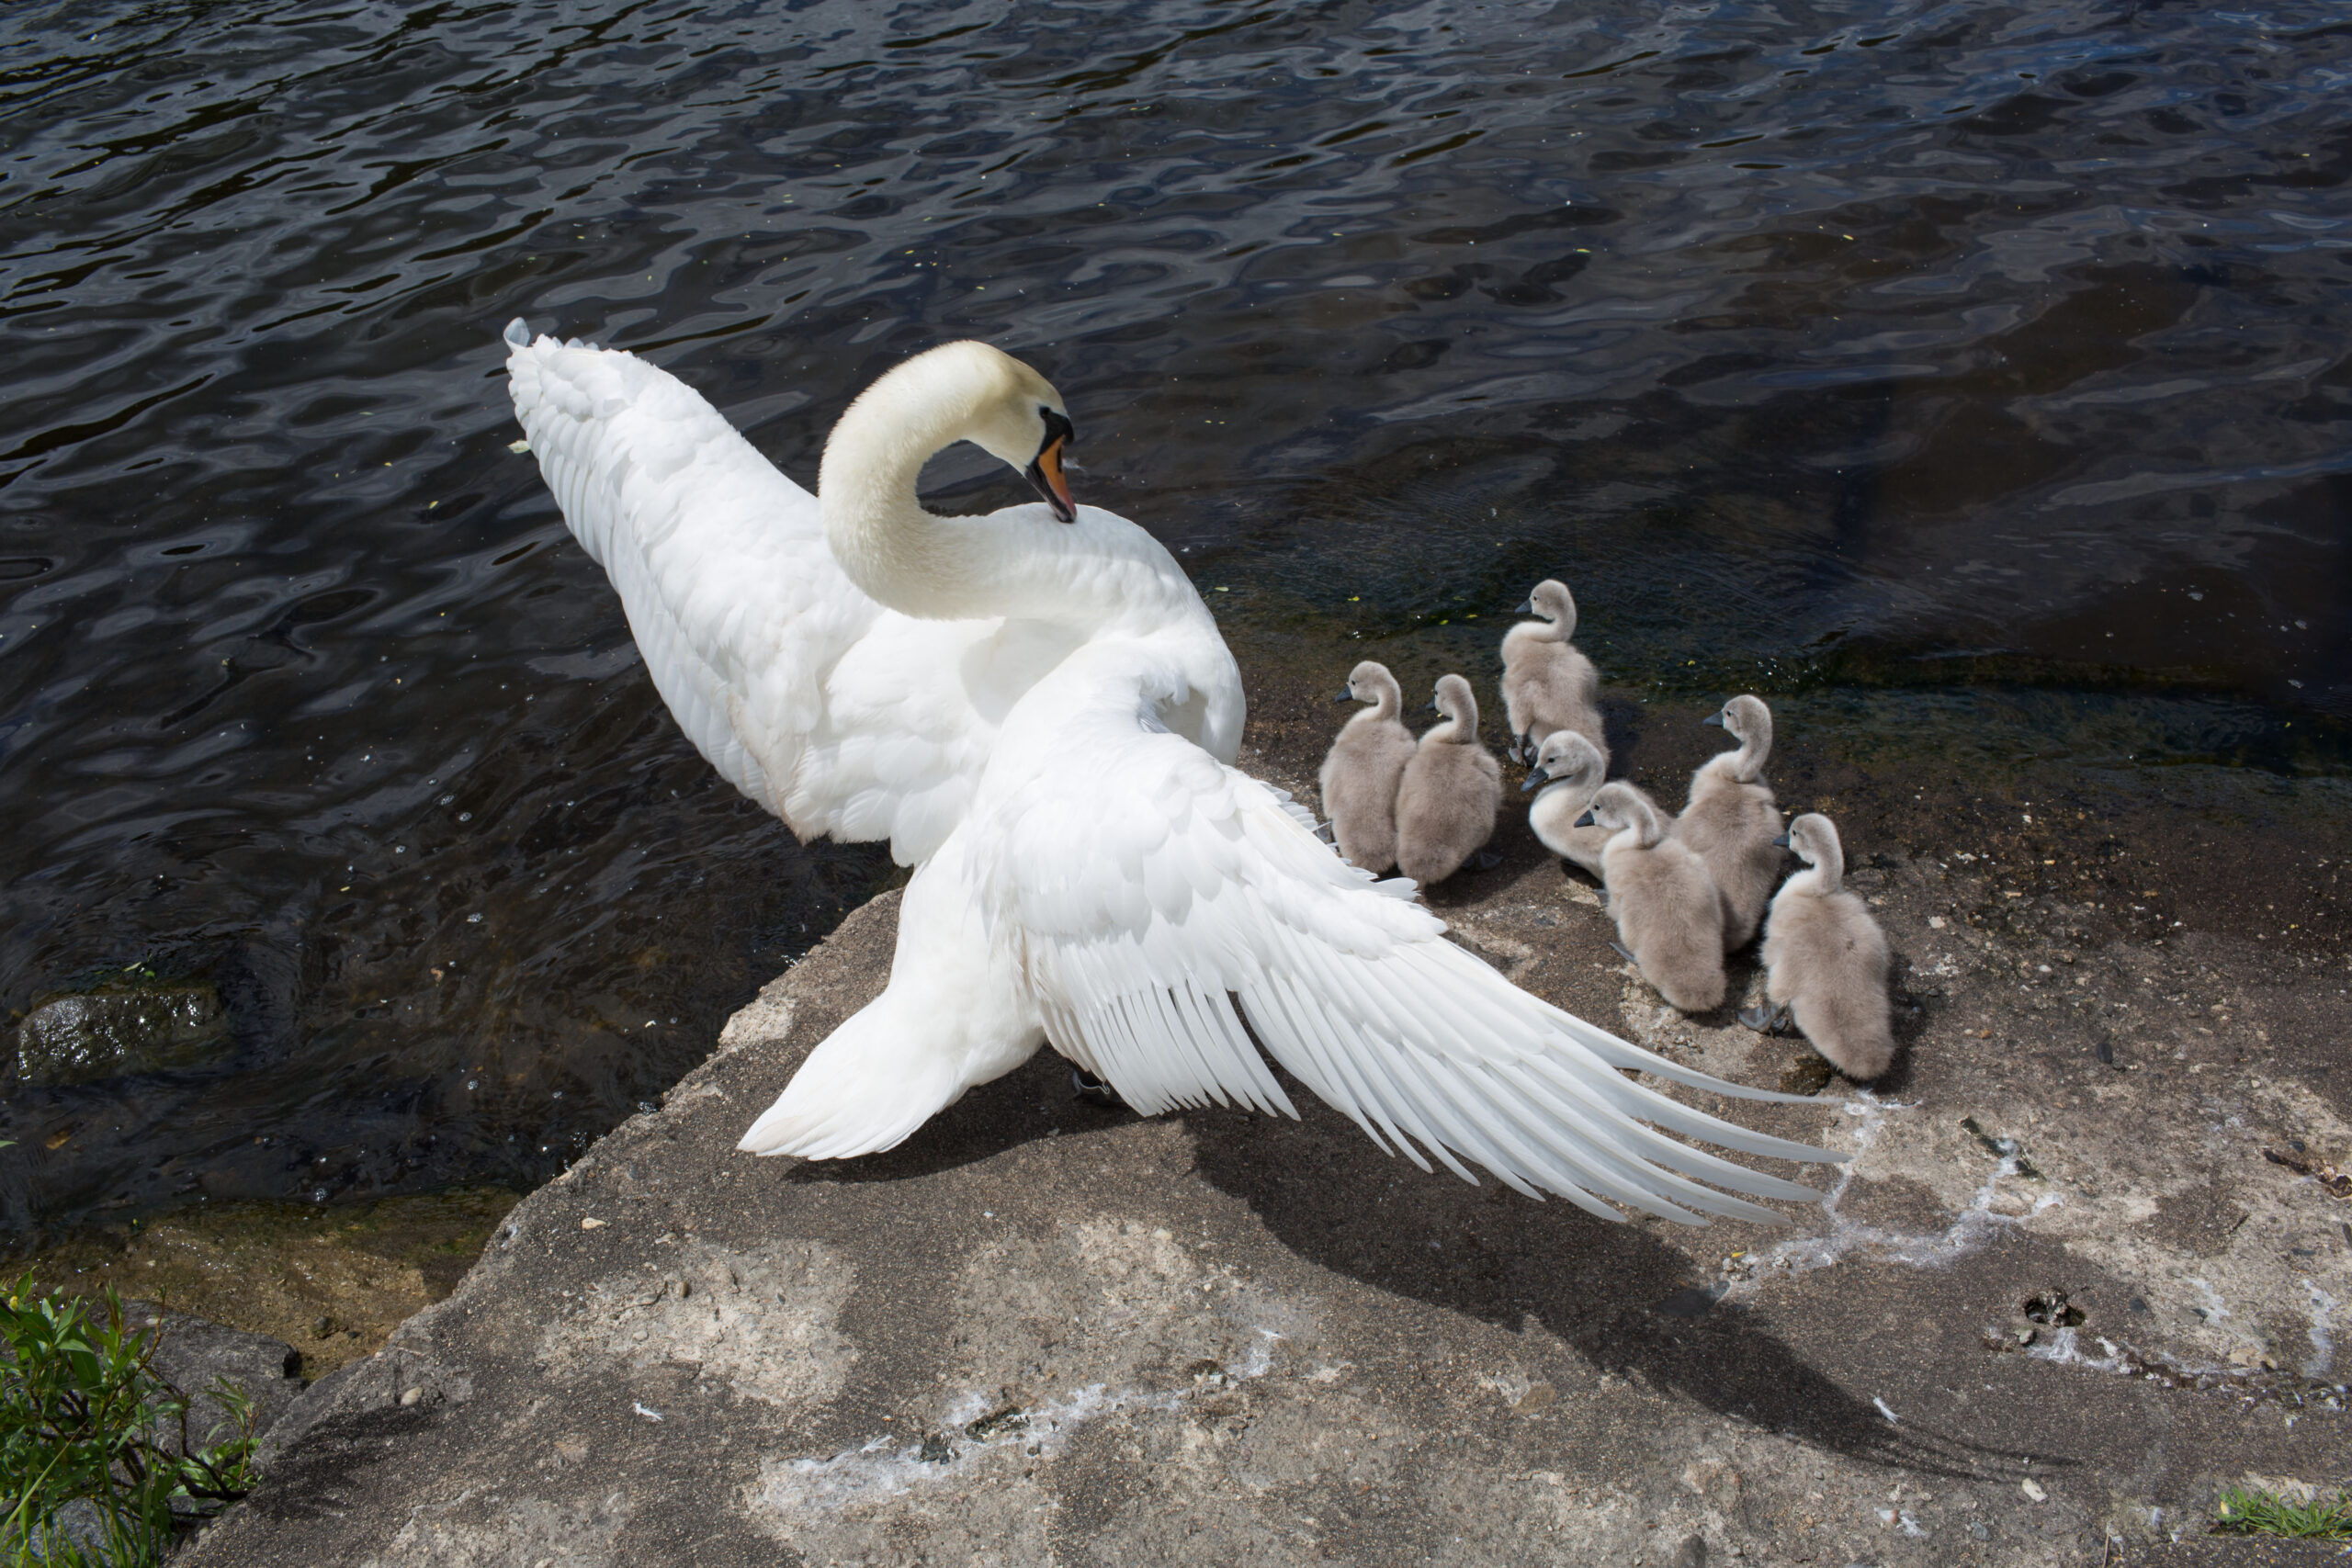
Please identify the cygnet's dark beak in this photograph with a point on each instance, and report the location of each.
(1045, 469)
(1781, 843)
(1347, 694)
(1526, 607)
(1715, 718)
(1434, 708)
(1583, 821)
(1536, 777)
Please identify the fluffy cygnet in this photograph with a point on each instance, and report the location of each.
(1826, 959)
(1547, 684)
(1669, 917)
(1364, 768)
(1569, 770)
(1731, 821)
(1445, 810)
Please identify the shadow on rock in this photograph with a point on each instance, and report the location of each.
(1628, 1302)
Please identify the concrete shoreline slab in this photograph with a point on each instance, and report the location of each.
(2058, 1303)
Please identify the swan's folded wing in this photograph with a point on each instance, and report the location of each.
(1174, 910)
(838, 715)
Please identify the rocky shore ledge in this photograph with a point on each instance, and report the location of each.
(2083, 1272)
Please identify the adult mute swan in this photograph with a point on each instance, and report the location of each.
(1035, 707)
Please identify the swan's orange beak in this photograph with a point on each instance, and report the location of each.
(1045, 469)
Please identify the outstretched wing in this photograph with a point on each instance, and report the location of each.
(840, 716)
(1176, 914)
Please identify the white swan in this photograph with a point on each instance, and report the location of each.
(1035, 708)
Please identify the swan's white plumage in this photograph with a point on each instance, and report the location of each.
(809, 696)
(1089, 867)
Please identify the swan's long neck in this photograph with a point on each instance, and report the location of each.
(1755, 749)
(1829, 867)
(1388, 702)
(1462, 717)
(891, 547)
(934, 567)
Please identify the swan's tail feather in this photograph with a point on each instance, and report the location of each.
(870, 1084)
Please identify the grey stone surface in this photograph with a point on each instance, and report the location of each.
(193, 1355)
(2061, 1297)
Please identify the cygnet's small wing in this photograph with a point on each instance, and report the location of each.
(836, 714)
(1164, 900)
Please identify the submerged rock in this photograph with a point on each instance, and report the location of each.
(119, 1030)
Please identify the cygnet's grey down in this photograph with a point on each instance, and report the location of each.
(1569, 770)
(1445, 810)
(1547, 684)
(1364, 768)
(1669, 917)
(1826, 959)
(1733, 822)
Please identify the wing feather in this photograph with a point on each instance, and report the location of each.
(833, 713)
(1153, 888)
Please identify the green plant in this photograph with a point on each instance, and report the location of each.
(2243, 1511)
(95, 1447)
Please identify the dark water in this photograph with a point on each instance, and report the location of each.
(1971, 377)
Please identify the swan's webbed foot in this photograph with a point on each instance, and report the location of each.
(1087, 1087)
(1765, 1019)
(1604, 903)
(1487, 861)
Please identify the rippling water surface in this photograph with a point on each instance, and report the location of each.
(1971, 371)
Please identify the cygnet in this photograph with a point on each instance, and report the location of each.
(1731, 821)
(1364, 768)
(1547, 684)
(1569, 770)
(1669, 917)
(1826, 959)
(1445, 810)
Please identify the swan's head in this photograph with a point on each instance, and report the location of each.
(1553, 601)
(1009, 412)
(1567, 757)
(1747, 718)
(1814, 839)
(1619, 805)
(1369, 682)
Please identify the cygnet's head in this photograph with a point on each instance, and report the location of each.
(1814, 840)
(1567, 758)
(1368, 683)
(1747, 718)
(999, 404)
(1552, 600)
(1455, 700)
(1619, 807)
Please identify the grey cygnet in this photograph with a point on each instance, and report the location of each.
(1733, 822)
(1569, 770)
(1826, 959)
(1365, 766)
(1547, 684)
(1451, 789)
(1669, 916)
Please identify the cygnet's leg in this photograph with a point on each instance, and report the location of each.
(1765, 1019)
(1327, 831)
(1086, 1086)
(1487, 859)
(1626, 956)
